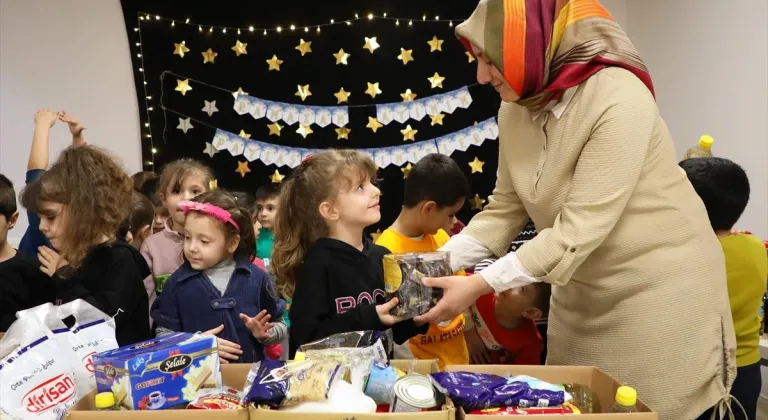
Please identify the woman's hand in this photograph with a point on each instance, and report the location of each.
(459, 292)
(46, 118)
(478, 353)
(227, 349)
(258, 325)
(385, 317)
(50, 260)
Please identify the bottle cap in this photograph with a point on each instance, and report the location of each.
(105, 400)
(626, 396)
(706, 142)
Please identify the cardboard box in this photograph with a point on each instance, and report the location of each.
(233, 375)
(603, 387)
(421, 366)
(160, 373)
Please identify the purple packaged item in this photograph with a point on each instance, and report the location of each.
(477, 391)
(280, 384)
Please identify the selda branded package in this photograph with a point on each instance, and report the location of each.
(159, 373)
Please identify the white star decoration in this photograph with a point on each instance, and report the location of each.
(210, 150)
(210, 108)
(184, 125)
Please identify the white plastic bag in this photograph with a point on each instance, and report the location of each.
(36, 382)
(93, 332)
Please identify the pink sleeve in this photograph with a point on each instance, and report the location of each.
(259, 263)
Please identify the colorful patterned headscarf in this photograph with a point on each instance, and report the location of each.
(544, 47)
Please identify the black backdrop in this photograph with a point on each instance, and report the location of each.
(318, 69)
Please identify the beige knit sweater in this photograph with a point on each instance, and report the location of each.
(639, 276)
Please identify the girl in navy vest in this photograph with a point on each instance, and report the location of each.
(218, 290)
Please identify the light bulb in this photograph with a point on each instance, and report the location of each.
(250, 28)
(385, 14)
(146, 124)
(153, 149)
(437, 17)
(141, 17)
(238, 31)
(149, 135)
(265, 31)
(397, 22)
(200, 28)
(224, 30)
(138, 55)
(150, 163)
(279, 29)
(357, 16)
(349, 23)
(293, 27)
(141, 69)
(211, 31)
(150, 108)
(138, 45)
(149, 97)
(410, 23)
(135, 29)
(157, 17)
(318, 29)
(370, 16)
(173, 24)
(450, 23)
(424, 17)
(332, 20)
(187, 21)
(145, 83)
(306, 29)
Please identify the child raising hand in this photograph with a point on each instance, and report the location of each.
(217, 289)
(322, 260)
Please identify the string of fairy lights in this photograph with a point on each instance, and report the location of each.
(147, 19)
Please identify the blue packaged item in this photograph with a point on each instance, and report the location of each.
(159, 373)
(477, 391)
(281, 384)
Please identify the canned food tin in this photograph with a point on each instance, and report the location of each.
(413, 393)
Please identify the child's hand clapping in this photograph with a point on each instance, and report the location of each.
(259, 325)
(46, 117)
(227, 349)
(384, 315)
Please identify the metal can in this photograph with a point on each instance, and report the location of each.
(413, 393)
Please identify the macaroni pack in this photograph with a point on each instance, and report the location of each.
(159, 373)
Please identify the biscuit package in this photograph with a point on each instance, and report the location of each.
(159, 373)
(402, 280)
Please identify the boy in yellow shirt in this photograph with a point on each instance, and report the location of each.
(724, 188)
(434, 191)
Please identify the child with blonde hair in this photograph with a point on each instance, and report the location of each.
(322, 260)
(183, 179)
(80, 201)
(218, 289)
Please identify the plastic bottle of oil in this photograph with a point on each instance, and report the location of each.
(626, 399)
(702, 149)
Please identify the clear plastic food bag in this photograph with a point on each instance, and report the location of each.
(402, 280)
(280, 384)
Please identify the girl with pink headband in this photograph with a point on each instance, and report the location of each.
(218, 290)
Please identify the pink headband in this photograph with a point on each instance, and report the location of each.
(209, 210)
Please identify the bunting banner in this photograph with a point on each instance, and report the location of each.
(417, 109)
(273, 154)
(322, 116)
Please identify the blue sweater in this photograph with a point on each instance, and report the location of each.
(191, 303)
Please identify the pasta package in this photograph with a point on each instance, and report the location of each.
(403, 274)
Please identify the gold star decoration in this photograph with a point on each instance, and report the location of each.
(243, 134)
(371, 44)
(435, 44)
(436, 81)
(304, 130)
(242, 168)
(407, 170)
(183, 86)
(476, 165)
(304, 47)
(409, 133)
(213, 184)
(341, 57)
(302, 92)
(277, 177)
(375, 235)
(342, 133)
(373, 124)
(209, 56)
(240, 48)
(477, 202)
(405, 56)
(373, 89)
(274, 63)
(437, 119)
(342, 96)
(470, 57)
(239, 92)
(274, 129)
(180, 49)
(408, 96)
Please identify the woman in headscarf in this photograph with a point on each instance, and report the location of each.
(639, 277)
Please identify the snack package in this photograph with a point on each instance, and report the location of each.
(280, 384)
(36, 382)
(381, 381)
(217, 399)
(565, 409)
(477, 391)
(159, 373)
(402, 279)
(347, 339)
(93, 332)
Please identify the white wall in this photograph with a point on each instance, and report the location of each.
(71, 55)
(709, 63)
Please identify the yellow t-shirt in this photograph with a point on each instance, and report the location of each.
(746, 266)
(444, 343)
